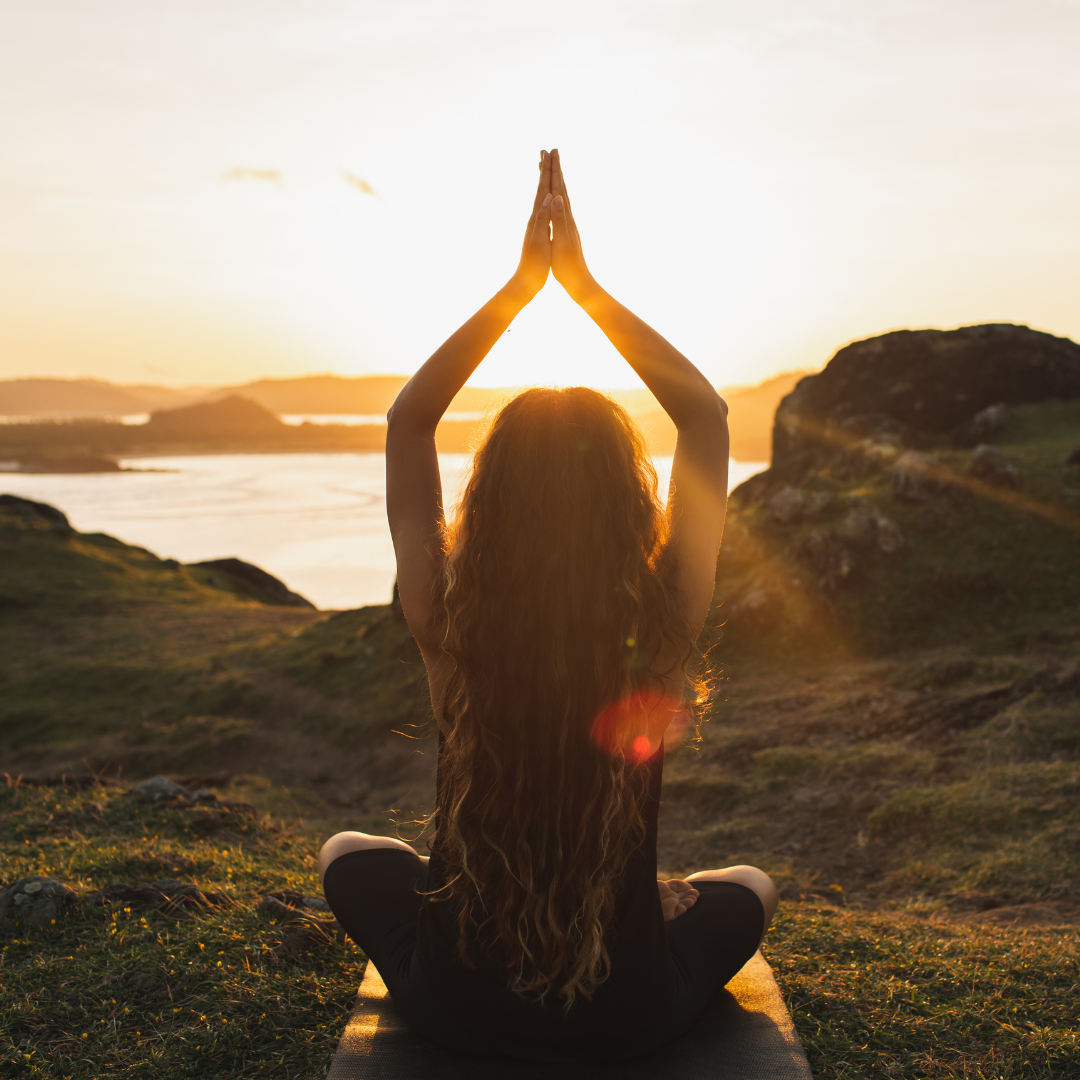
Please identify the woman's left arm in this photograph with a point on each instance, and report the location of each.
(413, 486)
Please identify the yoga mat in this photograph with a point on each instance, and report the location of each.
(745, 1033)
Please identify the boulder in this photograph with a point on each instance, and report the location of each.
(35, 900)
(912, 384)
(36, 513)
(994, 466)
(249, 580)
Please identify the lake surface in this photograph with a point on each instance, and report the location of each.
(317, 521)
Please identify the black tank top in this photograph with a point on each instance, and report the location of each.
(632, 1001)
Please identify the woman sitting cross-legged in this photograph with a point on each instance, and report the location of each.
(556, 614)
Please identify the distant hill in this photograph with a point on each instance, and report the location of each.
(336, 394)
(750, 420)
(86, 397)
(750, 417)
(233, 417)
(366, 395)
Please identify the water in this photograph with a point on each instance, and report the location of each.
(317, 521)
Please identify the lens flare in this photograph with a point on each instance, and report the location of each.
(633, 727)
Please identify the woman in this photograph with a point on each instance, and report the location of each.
(556, 615)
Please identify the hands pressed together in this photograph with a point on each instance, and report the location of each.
(552, 241)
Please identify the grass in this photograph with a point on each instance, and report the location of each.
(899, 996)
(977, 562)
(117, 991)
(114, 991)
(912, 783)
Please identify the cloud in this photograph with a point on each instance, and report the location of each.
(359, 183)
(271, 176)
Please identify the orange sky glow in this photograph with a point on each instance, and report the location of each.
(207, 192)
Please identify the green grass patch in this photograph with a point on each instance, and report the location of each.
(979, 565)
(115, 991)
(897, 996)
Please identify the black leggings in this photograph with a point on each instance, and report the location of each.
(375, 894)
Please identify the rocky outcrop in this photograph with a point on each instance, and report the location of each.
(910, 385)
(248, 580)
(35, 513)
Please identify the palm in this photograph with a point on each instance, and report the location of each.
(567, 259)
(532, 271)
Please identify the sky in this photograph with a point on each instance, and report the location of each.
(217, 190)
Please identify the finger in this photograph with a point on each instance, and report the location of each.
(543, 187)
(564, 229)
(538, 228)
(558, 181)
(559, 216)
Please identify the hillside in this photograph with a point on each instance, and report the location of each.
(750, 417)
(887, 524)
(86, 397)
(917, 809)
(118, 661)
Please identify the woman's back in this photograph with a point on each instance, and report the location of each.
(635, 992)
(556, 603)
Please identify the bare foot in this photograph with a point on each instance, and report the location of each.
(676, 897)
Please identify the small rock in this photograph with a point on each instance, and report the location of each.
(915, 476)
(274, 909)
(167, 894)
(859, 527)
(880, 454)
(994, 466)
(316, 903)
(991, 421)
(35, 900)
(829, 557)
(203, 795)
(160, 787)
(1074, 458)
(788, 505)
(889, 537)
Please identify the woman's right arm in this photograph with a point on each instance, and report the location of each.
(698, 496)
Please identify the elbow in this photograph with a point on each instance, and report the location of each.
(709, 411)
(404, 422)
(716, 407)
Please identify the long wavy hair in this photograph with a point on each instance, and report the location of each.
(557, 602)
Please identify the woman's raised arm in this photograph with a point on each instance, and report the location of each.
(413, 487)
(698, 497)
